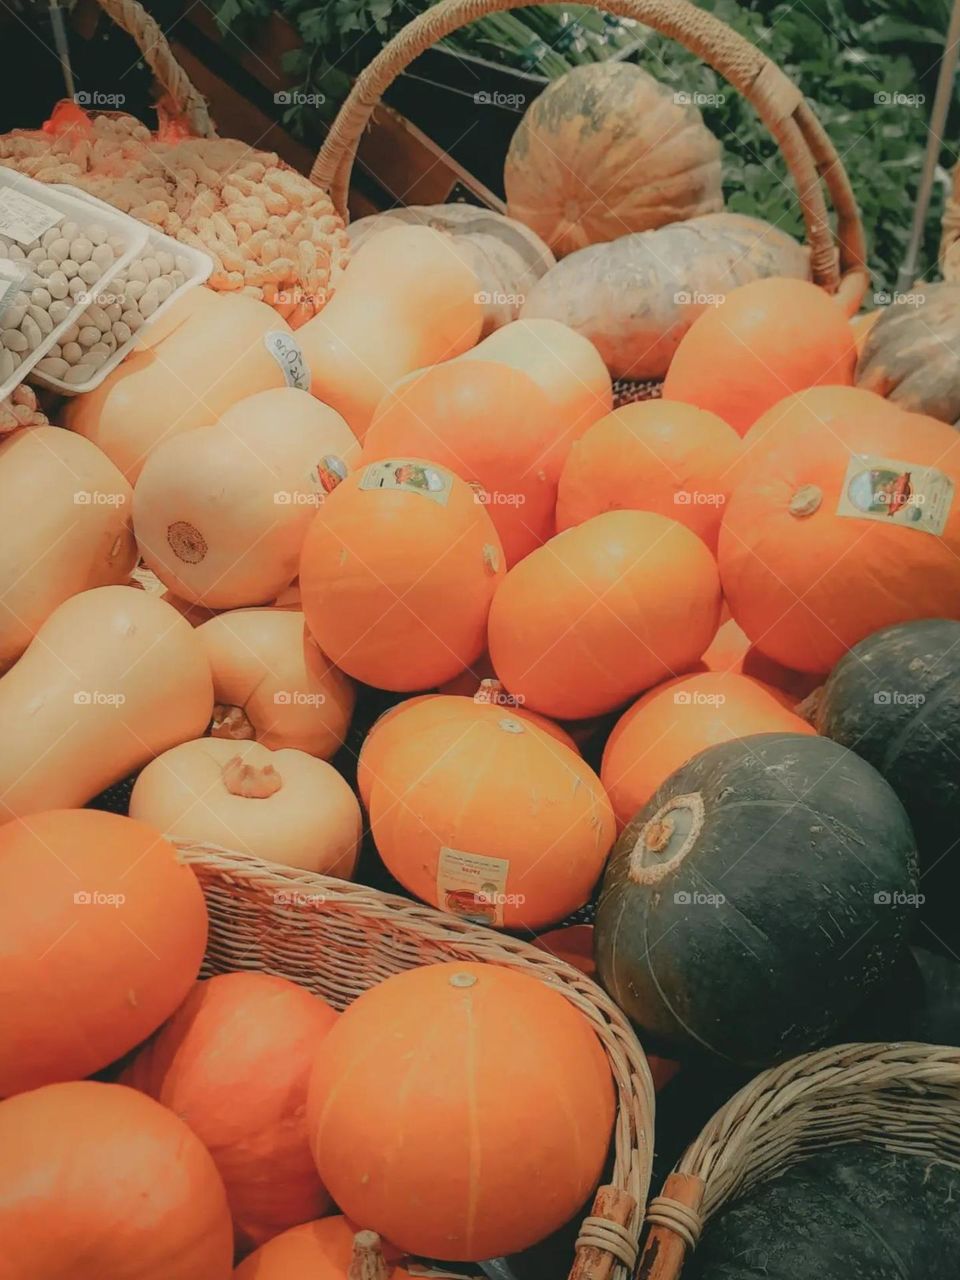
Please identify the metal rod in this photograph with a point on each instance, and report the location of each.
(63, 47)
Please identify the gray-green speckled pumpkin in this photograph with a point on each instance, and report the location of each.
(912, 353)
(607, 150)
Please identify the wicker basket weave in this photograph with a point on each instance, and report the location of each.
(338, 939)
(904, 1097)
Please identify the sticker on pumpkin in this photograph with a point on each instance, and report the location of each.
(329, 472)
(286, 351)
(887, 490)
(412, 477)
(472, 886)
(25, 219)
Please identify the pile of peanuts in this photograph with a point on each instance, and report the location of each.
(272, 233)
(66, 261)
(20, 409)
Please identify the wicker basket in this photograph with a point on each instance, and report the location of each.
(905, 1097)
(338, 939)
(950, 239)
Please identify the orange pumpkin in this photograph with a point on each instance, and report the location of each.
(765, 340)
(603, 611)
(673, 722)
(397, 574)
(844, 529)
(98, 1182)
(322, 1250)
(492, 426)
(103, 934)
(234, 1063)
(731, 652)
(652, 456)
(523, 1132)
(482, 814)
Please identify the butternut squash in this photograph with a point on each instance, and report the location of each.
(65, 526)
(408, 299)
(113, 677)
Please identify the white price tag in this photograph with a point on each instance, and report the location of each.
(25, 219)
(13, 280)
(286, 351)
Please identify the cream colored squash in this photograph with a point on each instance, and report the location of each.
(221, 511)
(282, 806)
(113, 677)
(408, 299)
(271, 682)
(213, 356)
(65, 526)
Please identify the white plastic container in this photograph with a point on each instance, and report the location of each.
(28, 210)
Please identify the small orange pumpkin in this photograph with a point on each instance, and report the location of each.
(397, 574)
(392, 1078)
(766, 339)
(321, 1250)
(234, 1063)
(98, 1181)
(602, 612)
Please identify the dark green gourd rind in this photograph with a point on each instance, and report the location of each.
(799, 835)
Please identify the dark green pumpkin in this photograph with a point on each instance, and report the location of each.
(895, 700)
(757, 900)
(851, 1213)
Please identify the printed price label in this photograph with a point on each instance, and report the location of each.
(472, 886)
(895, 492)
(24, 218)
(286, 351)
(412, 477)
(13, 279)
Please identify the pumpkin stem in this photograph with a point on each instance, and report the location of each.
(809, 708)
(242, 779)
(493, 693)
(231, 722)
(368, 1262)
(806, 501)
(672, 831)
(491, 558)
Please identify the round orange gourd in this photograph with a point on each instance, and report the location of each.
(321, 1250)
(98, 1181)
(481, 813)
(492, 426)
(234, 1063)
(673, 722)
(103, 933)
(731, 651)
(282, 806)
(421, 1058)
(397, 574)
(845, 529)
(565, 365)
(653, 456)
(272, 682)
(603, 611)
(765, 340)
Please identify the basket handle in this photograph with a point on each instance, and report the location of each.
(131, 17)
(808, 152)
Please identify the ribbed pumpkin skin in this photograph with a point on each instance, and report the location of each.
(463, 1111)
(911, 354)
(606, 150)
(485, 782)
(98, 1181)
(602, 612)
(806, 583)
(233, 1063)
(653, 456)
(85, 979)
(673, 722)
(396, 586)
(320, 1250)
(797, 836)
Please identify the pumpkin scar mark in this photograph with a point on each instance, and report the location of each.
(913, 722)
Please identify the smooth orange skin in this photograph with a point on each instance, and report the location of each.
(602, 612)
(731, 651)
(503, 1072)
(396, 587)
(492, 426)
(233, 1063)
(493, 785)
(654, 456)
(806, 588)
(674, 722)
(82, 983)
(98, 1181)
(766, 339)
(320, 1250)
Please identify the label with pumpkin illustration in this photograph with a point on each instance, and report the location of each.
(895, 492)
(329, 472)
(472, 886)
(286, 351)
(412, 477)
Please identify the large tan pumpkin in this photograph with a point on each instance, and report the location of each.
(911, 354)
(607, 150)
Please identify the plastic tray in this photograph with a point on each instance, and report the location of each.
(81, 210)
(202, 268)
